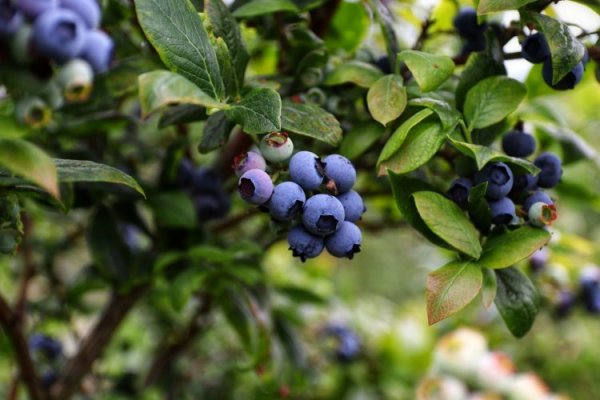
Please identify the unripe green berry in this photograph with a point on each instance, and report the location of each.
(33, 112)
(276, 147)
(312, 76)
(316, 96)
(542, 214)
(76, 79)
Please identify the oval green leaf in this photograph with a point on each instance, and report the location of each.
(429, 70)
(312, 121)
(516, 300)
(386, 99)
(259, 111)
(513, 246)
(360, 73)
(261, 7)
(489, 6)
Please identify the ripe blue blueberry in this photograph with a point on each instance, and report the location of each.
(211, 205)
(48, 378)
(34, 8)
(590, 289)
(247, 161)
(45, 345)
(499, 178)
(473, 44)
(568, 81)
(539, 259)
(524, 183)
(538, 196)
(304, 244)
(466, 23)
(205, 180)
(551, 170)
(345, 242)
(185, 173)
(383, 63)
(459, 191)
(306, 169)
(276, 146)
(353, 204)
(535, 48)
(287, 201)
(348, 342)
(88, 10)
(98, 50)
(10, 18)
(255, 186)
(503, 211)
(59, 35)
(323, 214)
(341, 171)
(518, 144)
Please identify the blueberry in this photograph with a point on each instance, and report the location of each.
(205, 180)
(98, 50)
(568, 81)
(323, 214)
(590, 289)
(211, 205)
(255, 186)
(503, 211)
(564, 303)
(538, 196)
(551, 170)
(353, 204)
(287, 201)
(459, 191)
(539, 259)
(34, 8)
(535, 48)
(48, 378)
(383, 63)
(345, 242)
(59, 35)
(341, 171)
(541, 214)
(499, 178)
(306, 169)
(10, 18)
(518, 144)
(88, 10)
(466, 23)
(348, 342)
(76, 79)
(247, 161)
(524, 183)
(185, 173)
(304, 244)
(473, 44)
(42, 344)
(276, 146)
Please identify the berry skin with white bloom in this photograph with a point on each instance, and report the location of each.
(276, 147)
(304, 244)
(345, 242)
(286, 202)
(59, 35)
(551, 170)
(518, 144)
(499, 178)
(88, 10)
(34, 8)
(98, 50)
(306, 169)
(503, 211)
(323, 214)
(354, 207)
(341, 171)
(255, 186)
(247, 161)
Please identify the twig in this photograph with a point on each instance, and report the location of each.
(11, 325)
(29, 269)
(94, 344)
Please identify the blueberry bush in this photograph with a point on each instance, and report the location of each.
(308, 199)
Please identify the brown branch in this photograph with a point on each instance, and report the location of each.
(94, 344)
(11, 325)
(169, 350)
(29, 269)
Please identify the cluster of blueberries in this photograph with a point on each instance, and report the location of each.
(46, 352)
(327, 219)
(64, 33)
(536, 50)
(506, 188)
(469, 29)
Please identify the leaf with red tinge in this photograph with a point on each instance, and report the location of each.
(450, 288)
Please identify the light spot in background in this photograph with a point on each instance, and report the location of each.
(574, 13)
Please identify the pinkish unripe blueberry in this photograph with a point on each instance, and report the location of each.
(247, 161)
(276, 147)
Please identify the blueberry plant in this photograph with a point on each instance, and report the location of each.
(177, 141)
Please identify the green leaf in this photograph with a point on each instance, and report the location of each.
(216, 132)
(403, 188)
(160, 89)
(29, 161)
(310, 120)
(259, 111)
(451, 288)
(387, 21)
(394, 143)
(513, 246)
(89, 171)
(420, 145)
(174, 210)
(261, 7)
(485, 154)
(182, 114)
(299, 294)
(489, 287)
(239, 316)
(176, 31)
(479, 209)
(360, 138)
(387, 98)
(448, 221)
(448, 115)
(516, 300)
(10, 128)
(338, 35)
(185, 284)
(489, 6)
(492, 99)
(226, 27)
(360, 73)
(429, 70)
(566, 50)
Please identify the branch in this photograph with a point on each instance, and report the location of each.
(10, 324)
(29, 270)
(94, 344)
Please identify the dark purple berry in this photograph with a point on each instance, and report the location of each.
(304, 244)
(551, 170)
(354, 207)
(59, 35)
(539, 259)
(564, 303)
(88, 10)
(306, 169)
(590, 289)
(518, 144)
(535, 48)
(348, 343)
(383, 63)
(323, 214)
(459, 191)
(345, 242)
(42, 344)
(503, 211)
(473, 44)
(286, 202)
(255, 186)
(247, 161)
(341, 171)
(466, 23)
(568, 81)
(499, 178)
(10, 18)
(524, 183)
(536, 197)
